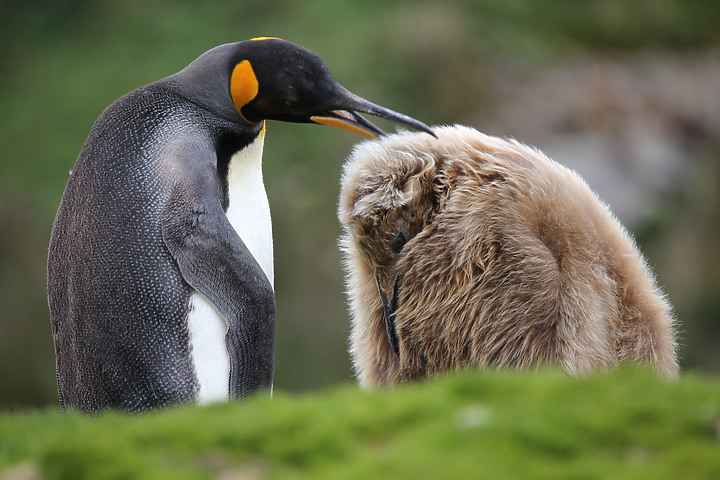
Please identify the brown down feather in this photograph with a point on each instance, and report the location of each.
(509, 261)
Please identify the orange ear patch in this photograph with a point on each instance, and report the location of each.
(243, 85)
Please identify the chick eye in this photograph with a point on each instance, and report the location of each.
(398, 242)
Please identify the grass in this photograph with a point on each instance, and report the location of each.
(473, 425)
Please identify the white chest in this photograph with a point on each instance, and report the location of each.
(249, 214)
(248, 210)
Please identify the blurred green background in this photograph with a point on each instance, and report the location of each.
(627, 93)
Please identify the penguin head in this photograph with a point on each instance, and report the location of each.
(271, 79)
(390, 192)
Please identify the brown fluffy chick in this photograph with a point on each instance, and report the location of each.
(474, 250)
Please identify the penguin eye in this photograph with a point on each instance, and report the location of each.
(412, 215)
(290, 97)
(398, 242)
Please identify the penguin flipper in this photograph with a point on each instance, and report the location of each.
(214, 260)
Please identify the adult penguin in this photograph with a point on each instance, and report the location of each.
(160, 263)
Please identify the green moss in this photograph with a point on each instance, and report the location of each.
(474, 425)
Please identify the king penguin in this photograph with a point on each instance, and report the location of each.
(160, 266)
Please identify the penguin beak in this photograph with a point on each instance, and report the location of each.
(389, 309)
(347, 116)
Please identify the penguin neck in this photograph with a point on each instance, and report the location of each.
(248, 209)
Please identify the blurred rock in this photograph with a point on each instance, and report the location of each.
(630, 125)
